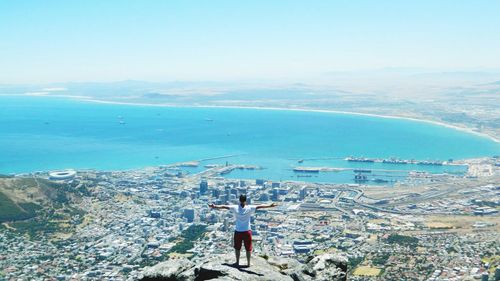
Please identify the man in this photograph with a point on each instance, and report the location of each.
(242, 232)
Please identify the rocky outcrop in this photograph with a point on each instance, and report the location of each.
(329, 267)
(326, 267)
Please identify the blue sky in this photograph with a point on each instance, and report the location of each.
(57, 41)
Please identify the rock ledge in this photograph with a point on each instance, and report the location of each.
(331, 267)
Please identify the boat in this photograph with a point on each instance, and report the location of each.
(360, 178)
(395, 161)
(360, 159)
(362, 171)
(306, 170)
(430, 163)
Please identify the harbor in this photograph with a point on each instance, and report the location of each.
(379, 174)
(393, 160)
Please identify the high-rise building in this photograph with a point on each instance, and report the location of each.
(215, 193)
(154, 214)
(264, 197)
(189, 214)
(203, 187)
(185, 194)
(303, 193)
(222, 199)
(275, 185)
(275, 195)
(234, 191)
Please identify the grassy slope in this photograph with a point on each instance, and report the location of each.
(10, 211)
(21, 198)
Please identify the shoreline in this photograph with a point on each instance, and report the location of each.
(433, 122)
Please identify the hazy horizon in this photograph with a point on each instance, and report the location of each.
(59, 41)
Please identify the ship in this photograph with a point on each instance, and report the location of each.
(362, 171)
(432, 163)
(394, 161)
(360, 159)
(380, 181)
(306, 170)
(360, 178)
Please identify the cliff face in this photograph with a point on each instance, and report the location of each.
(325, 267)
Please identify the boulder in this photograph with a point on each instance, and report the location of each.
(171, 270)
(326, 267)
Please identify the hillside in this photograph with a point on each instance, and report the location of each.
(36, 206)
(12, 211)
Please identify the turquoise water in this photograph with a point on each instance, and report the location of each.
(41, 133)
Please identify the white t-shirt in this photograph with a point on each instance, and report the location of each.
(242, 216)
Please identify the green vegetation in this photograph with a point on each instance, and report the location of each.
(30, 207)
(10, 211)
(36, 227)
(381, 259)
(75, 214)
(403, 240)
(48, 222)
(190, 235)
(353, 262)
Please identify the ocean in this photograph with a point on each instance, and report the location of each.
(47, 133)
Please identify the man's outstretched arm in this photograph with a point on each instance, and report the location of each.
(213, 206)
(264, 206)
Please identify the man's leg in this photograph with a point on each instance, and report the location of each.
(237, 252)
(248, 245)
(237, 247)
(249, 253)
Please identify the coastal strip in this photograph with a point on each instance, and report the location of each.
(433, 122)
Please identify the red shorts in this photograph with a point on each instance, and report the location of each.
(246, 237)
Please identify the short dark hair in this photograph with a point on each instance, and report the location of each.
(243, 198)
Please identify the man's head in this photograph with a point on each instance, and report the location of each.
(243, 200)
